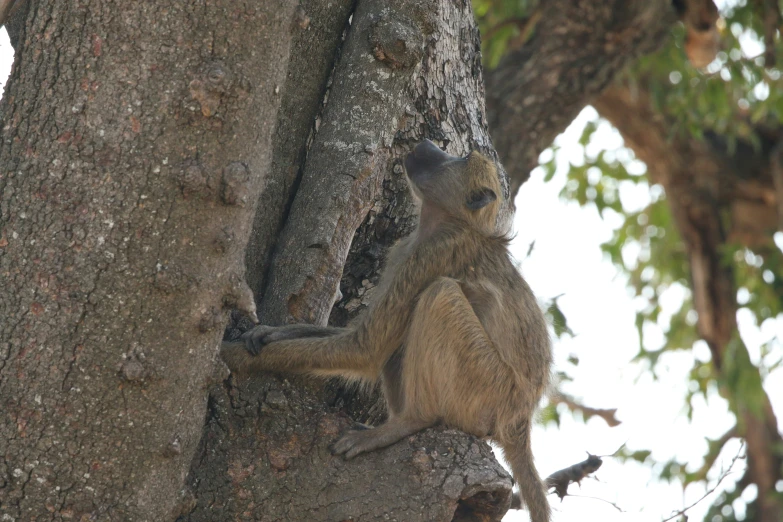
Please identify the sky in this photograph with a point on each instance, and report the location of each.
(596, 301)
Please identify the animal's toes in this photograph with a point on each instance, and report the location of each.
(351, 444)
(354, 451)
(255, 339)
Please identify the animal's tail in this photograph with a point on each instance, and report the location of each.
(518, 455)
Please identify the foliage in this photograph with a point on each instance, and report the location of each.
(731, 94)
(501, 23)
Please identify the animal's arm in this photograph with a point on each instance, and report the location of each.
(262, 335)
(355, 352)
(351, 352)
(338, 354)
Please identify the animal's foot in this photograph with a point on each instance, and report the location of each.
(355, 441)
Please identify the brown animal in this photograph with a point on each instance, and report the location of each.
(454, 333)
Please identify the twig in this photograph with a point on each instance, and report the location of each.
(618, 508)
(608, 415)
(530, 249)
(712, 490)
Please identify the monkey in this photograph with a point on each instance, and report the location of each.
(453, 333)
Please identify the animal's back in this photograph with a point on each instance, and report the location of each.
(513, 320)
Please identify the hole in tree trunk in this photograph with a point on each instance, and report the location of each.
(484, 506)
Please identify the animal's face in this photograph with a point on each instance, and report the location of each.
(464, 188)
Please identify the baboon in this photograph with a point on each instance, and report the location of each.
(453, 334)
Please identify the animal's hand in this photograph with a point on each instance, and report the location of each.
(260, 336)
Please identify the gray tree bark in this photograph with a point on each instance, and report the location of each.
(406, 70)
(134, 145)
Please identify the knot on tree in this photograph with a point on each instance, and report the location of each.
(171, 279)
(239, 296)
(301, 19)
(134, 367)
(213, 82)
(396, 41)
(173, 448)
(235, 184)
(193, 179)
(223, 240)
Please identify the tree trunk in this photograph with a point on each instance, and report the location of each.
(135, 143)
(405, 70)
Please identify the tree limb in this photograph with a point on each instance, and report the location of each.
(575, 51)
(608, 415)
(270, 435)
(709, 492)
(6, 9)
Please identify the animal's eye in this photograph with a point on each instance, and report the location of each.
(481, 198)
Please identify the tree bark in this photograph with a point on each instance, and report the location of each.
(135, 142)
(406, 70)
(702, 184)
(576, 50)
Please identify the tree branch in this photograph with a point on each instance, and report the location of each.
(575, 51)
(709, 492)
(265, 456)
(269, 435)
(6, 8)
(608, 415)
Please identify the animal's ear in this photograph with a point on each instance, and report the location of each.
(481, 198)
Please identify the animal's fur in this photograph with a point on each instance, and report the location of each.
(454, 334)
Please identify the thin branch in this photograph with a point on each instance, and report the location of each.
(607, 414)
(713, 454)
(712, 490)
(618, 508)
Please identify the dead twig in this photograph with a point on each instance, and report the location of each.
(608, 415)
(618, 508)
(715, 487)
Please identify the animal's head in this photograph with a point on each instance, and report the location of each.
(465, 189)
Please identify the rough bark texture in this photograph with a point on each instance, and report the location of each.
(272, 448)
(577, 48)
(406, 70)
(703, 184)
(315, 46)
(135, 142)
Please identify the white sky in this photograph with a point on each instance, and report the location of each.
(567, 260)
